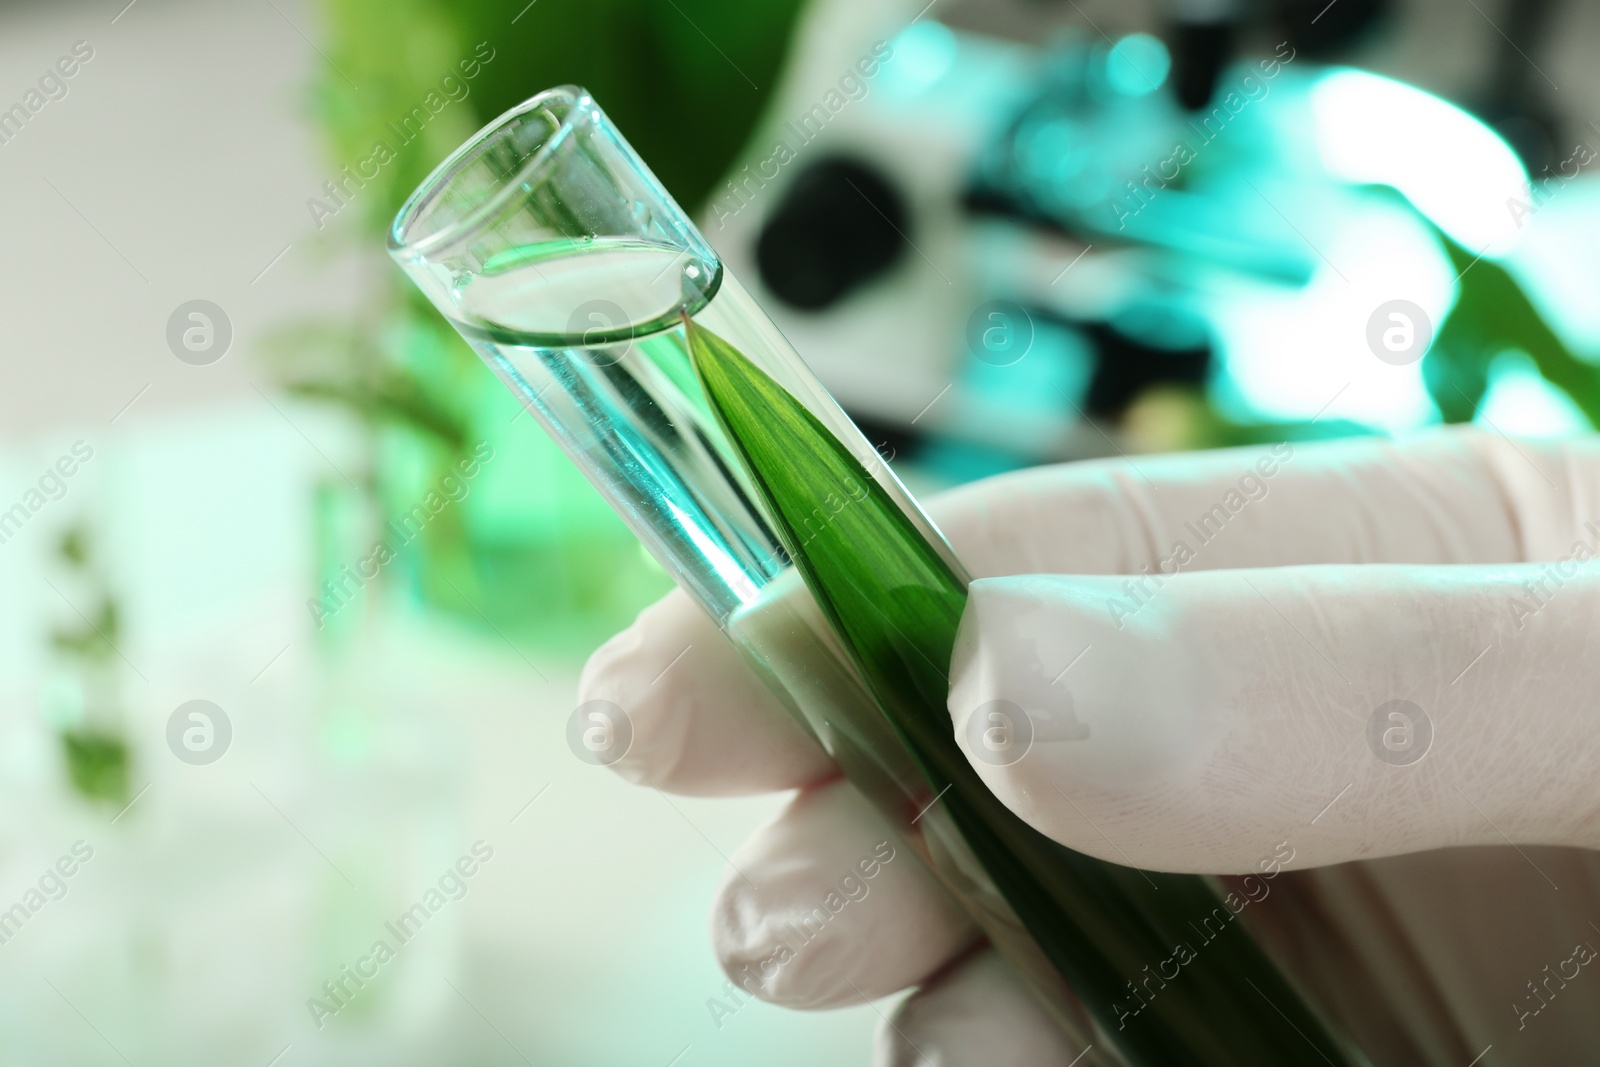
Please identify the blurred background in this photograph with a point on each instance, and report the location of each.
(1004, 232)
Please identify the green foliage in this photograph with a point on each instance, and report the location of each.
(680, 98)
(97, 763)
(685, 80)
(74, 547)
(385, 57)
(96, 757)
(1492, 315)
(346, 365)
(94, 641)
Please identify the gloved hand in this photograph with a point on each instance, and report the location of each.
(1312, 654)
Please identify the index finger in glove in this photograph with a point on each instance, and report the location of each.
(704, 724)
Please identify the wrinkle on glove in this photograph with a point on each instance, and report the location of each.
(1452, 496)
(976, 1014)
(1426, 960)
(703, 723)
(827, 906)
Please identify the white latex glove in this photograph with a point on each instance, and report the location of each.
(1230, 712)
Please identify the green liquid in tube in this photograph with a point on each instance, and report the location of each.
(894, 604)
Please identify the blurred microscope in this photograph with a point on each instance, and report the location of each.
(1020, 231)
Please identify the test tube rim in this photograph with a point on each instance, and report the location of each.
(580, 105)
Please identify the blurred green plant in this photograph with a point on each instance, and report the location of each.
(687, 80)
(97, 764)
(1493, 315)
(92, 746)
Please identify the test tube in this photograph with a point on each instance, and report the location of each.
(555, 252)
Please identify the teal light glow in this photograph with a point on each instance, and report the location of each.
(1302, 354)
(1453, 168)
(1138, 64)
(924, 52)
(1521, 402)
(1557, 265)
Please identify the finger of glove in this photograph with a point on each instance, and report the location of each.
(1455, 496)
(702, 723)
(975, 1014)
(1351, 712)
(705, 725)
(827, 906)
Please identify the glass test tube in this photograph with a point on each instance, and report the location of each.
(557, 254)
